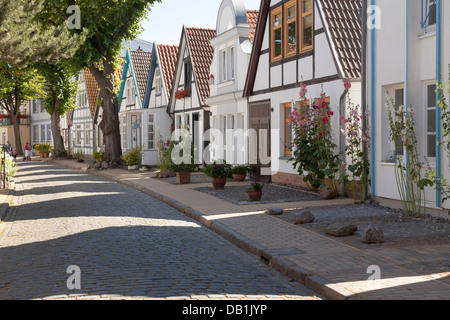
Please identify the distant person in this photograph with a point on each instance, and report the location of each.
(27, 151)
(14, 154)
(9, 148)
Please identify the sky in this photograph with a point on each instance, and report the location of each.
(166, 19)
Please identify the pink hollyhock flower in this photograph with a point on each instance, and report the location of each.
(347, 84)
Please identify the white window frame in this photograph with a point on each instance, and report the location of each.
(426, 110)
(232, 70)
(158, 81)
(151, 143)
(223, 65)
(427, 5)
(124, 132)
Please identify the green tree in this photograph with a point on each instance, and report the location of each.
(60, 92)
(108, 22)
(18, 85)
(27, 37)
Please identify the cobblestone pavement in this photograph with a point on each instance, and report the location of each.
(126, 244)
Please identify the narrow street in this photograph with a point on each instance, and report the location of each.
(125, 243)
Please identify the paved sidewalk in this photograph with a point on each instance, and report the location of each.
(327, 266)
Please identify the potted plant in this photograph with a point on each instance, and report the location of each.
(219, 173)
(37, 148)
(79, 156)
(183, 172)
(255, 191)
(239, 172)
(45, 148)
(133, 158)
(98, 156)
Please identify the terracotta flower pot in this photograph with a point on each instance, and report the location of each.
(239, 177)
(183, 177)
(219, 183)
(46, 155)
(254, 195)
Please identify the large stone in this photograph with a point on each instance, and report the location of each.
(105, 165)
(341, 229)
(273, 211)
(304, 217)
(372, 235)
(328, 194)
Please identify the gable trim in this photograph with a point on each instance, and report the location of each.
(129, 64)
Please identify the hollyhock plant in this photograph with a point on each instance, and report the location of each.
(357, 138)
(312, 143)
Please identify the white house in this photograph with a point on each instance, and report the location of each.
(134, 117)
(407, 55)
(192, 75)
(41, 128)
(229, 108)
(311, 42)
(156, 99)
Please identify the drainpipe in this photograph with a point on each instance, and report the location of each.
(342, 171)
(438, 110)
(372, 110)
(364, 87)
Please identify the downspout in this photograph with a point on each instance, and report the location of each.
(372, 110)
(364, 91)
(342, 171)
(407, 92)
(438, 97)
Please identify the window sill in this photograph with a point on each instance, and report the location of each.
(427, 34)
(225, 83)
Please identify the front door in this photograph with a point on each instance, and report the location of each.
(136, 130)
(259, 151)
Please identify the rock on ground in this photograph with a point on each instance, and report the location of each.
(304, 217)
(274, 211)
(341, 229)
(372, 235)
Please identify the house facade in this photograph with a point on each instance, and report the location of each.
(40, 121)
(405, 65)
(7, 128)
(81, 119)
(134, 117)
(229, 108)
(310, 42)
(192, 75)
(156, 100)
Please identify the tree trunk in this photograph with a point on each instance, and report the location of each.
(110, 118)
(58, 142)
(17, 137)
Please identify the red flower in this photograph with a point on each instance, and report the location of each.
(330, 113)
(325, 120)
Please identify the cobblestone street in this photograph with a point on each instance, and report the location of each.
(126, 244)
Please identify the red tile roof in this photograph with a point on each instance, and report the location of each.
(252, 19)
(168, 55)
(141, 64)
(344, 25)
(201, 56)
(92, 90)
